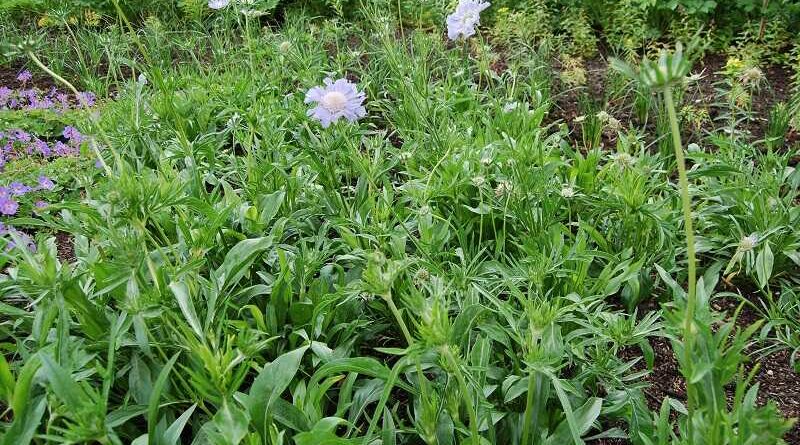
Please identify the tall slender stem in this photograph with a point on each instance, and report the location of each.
(462, 384)
(688, 327)
(399, 317)
(74, 90)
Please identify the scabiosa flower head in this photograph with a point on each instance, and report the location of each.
(748, 243)
(624, 160)
(46, 183)
(5, 193)
(336, 100)
(462, 22)
(218, 4)
(24, 76)
(503, 188)
(8, 207)
(87, 98)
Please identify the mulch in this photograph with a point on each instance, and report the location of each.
(778, 89)
(778, 381)
(10, 71)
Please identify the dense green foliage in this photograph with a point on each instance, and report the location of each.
(458, 267)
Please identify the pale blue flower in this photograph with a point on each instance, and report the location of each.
(336, 100)
(218, 4)
(462, 22)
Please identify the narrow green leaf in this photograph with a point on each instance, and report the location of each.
(181, 292)
(270, 384)
(764, 264)
(173, 434)
(155, 396)
(239, 259)
(63, 385)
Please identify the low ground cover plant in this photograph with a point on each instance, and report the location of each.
(399, 223)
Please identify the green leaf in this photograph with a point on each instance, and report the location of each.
(181, 292)
(22, 389)
(323, 433)
(271, 382)
(63, 385)
(587, 414)
(238, 260)
(155, 397)
(361, 365)
(764, 263)
(6, 381)
(229, 425)
(173, 434)
(269, 206)
(25, 424)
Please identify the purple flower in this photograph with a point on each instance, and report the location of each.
(87, 98)
(462, 22)
(336, 100)
(46, 183)
(27, 241)
(98, 163)
(71, 133)
(18, 188)
(42, 147)
(61, 149)
(5, 94)
(19, 135)
(24, 76)
(40, 204)
(5, 193)
(8, 207)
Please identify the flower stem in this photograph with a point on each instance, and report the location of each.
(74, 90)
(688, 327)
(462, 384)
(399, 317)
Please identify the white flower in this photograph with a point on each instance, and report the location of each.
(747, 243)
(503, 188)
(335, 100)
(511, 106)
(462, 22)
(218, 4)
(567, 191)
(478, 181)
(624, 160)
(751, 76)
